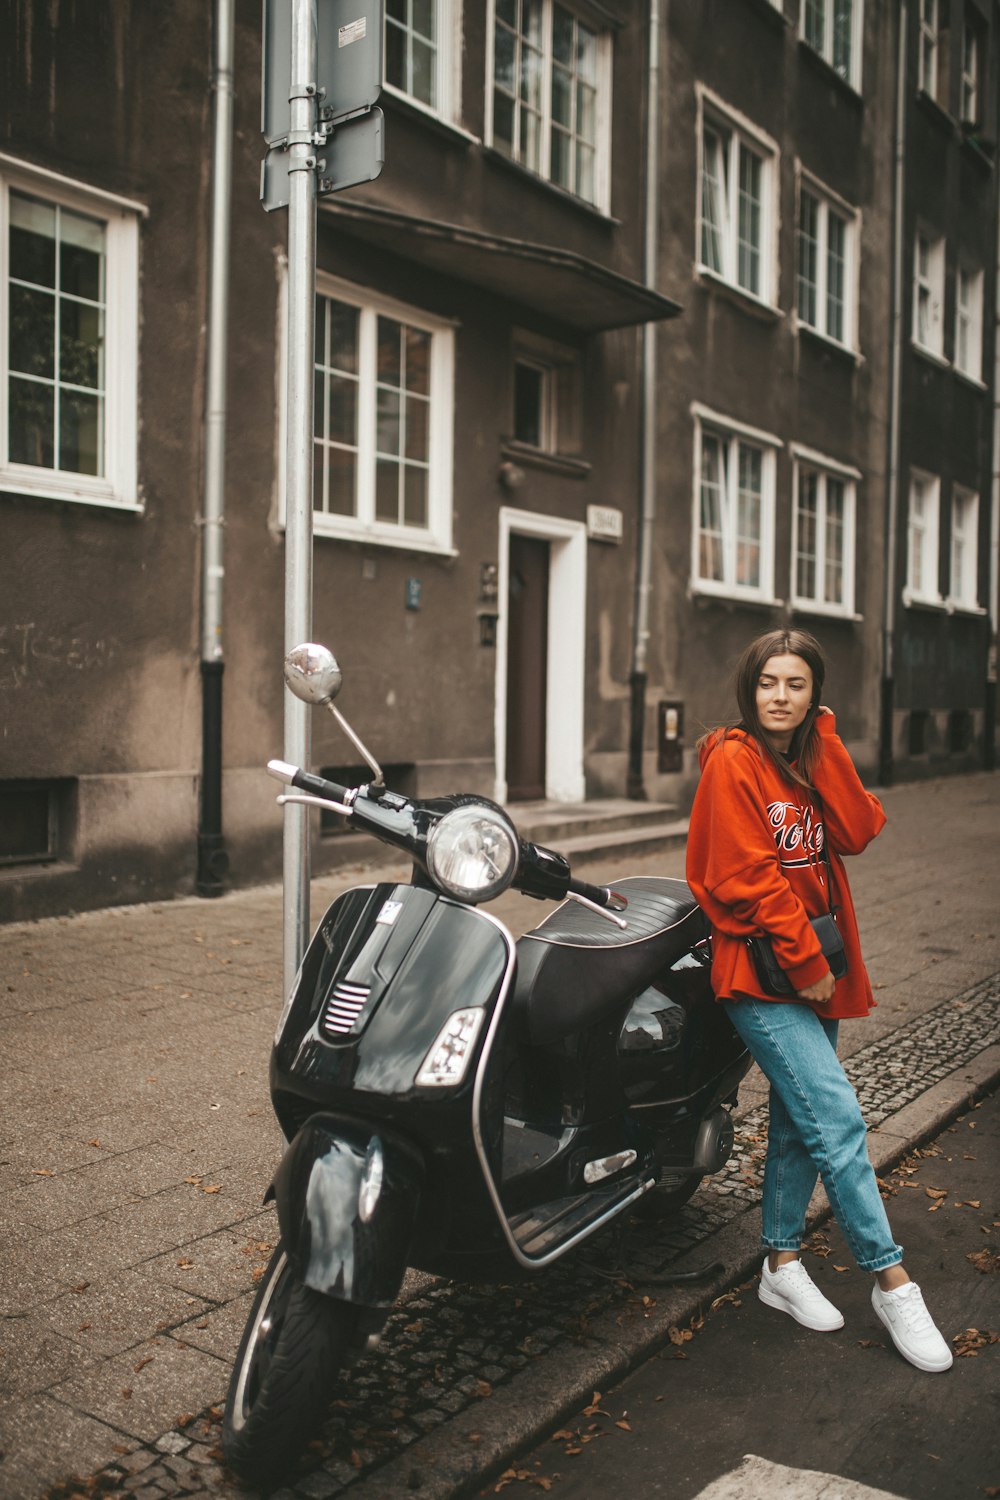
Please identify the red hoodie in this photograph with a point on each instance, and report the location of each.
(755, 864)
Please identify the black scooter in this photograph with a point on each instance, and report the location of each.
(458, 1101)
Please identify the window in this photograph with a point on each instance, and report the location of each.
(734, 509)
(832, 28)
(68, 363)
(550, 95)
(826, 286)
(927, 62)
(547, 395)
(969, 322)
(823, 536)
(922, 541)
(418, 57)
(383, 421)
(735, 211)
(928, 294)
(964, 587)
(969, 93)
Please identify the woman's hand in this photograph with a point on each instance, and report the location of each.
(822, 709)
(821, 991)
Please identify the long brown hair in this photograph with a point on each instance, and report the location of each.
(805, 747)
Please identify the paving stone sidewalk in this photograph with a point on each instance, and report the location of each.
(137, 1138)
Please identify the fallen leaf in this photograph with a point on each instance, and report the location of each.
(216, 1189)
(936, 1192)
(563, 1436)
(984, 1260)
(625, 1426)
(41, 1172)
(968, 1343)
(143, 1363)
(483, 1388)
(870, 1344)
(841, 1268)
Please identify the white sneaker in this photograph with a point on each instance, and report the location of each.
(911, 1327)
(792, 1290)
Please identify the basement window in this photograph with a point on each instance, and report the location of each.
(919, 731)
(959, 731)
(33, 819)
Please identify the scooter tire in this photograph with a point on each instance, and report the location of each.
(295, 1342)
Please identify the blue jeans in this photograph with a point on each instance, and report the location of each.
(815, 1130)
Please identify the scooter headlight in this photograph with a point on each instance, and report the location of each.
(472, 853)
(446, 1063)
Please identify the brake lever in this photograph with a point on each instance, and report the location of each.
(602, 911)
(307, 801)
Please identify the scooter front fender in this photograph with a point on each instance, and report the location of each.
(347, 1195)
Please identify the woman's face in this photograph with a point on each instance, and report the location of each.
(784, 697)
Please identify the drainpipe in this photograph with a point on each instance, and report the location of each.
(644, 560)
(990, 695)
(885, 771)
(213, 859)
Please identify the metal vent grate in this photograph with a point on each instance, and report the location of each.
(345, 1004)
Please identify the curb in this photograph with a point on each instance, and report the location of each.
(480, 1442)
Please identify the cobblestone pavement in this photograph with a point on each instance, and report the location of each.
(451, 1345)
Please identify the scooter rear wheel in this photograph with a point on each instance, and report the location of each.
(295, 1342)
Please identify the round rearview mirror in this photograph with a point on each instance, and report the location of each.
(312, 673)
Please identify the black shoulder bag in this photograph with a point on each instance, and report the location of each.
(773, 978)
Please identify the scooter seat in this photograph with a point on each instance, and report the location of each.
(576, 967)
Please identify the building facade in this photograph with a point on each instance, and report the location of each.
(500, 471)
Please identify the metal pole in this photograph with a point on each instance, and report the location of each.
(298, 455)
(213, 860)
(886, 715)
(640, 649)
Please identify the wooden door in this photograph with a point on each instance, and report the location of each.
(527, 675)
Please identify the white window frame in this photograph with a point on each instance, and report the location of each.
(601, 199)
(968, 357)
(963, 574)
(447, 63)
(931, 286)
(806, 459)
(732, 434)
(923, 532)
(118, 486)
(561, 395)
(437, 535)
(829, 203)
(969, 89)
(927, 50)
(826, 46)
(714, 114)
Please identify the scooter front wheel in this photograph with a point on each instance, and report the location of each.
(295, 1342)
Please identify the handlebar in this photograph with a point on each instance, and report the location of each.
(306, 781)
(598, 895)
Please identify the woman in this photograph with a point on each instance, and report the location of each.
(778, 794)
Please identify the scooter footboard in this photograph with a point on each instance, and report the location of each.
(347, 1196)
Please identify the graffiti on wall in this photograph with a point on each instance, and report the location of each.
(29, 651)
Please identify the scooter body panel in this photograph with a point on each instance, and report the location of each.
(386, 968)
(347, 1197)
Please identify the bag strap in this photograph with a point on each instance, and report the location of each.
(826, 857)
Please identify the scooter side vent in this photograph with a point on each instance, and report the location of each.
(343, 1008)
